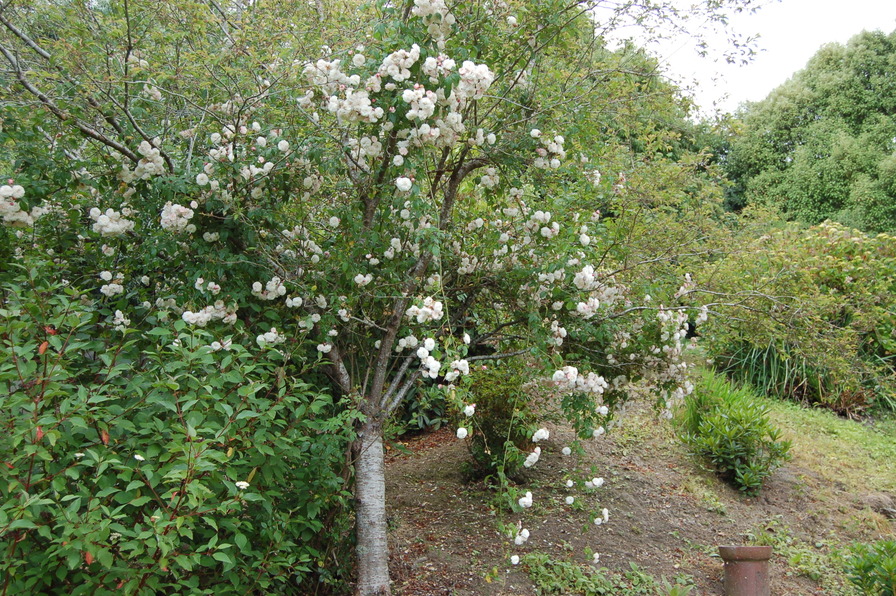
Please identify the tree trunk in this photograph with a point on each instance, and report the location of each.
(372, 552)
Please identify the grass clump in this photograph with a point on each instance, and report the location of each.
(729, 427)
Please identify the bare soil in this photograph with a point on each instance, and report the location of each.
(667, 514)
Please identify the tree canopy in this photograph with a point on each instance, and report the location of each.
(823, 145)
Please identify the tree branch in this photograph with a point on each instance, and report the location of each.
(61, 114)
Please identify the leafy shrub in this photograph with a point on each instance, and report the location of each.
(872, 568)
(503, 422)
(728, 427)
(814, 320)
(144, 461)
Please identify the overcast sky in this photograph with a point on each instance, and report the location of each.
(790, 31)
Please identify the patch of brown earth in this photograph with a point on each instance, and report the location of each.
(666, 514)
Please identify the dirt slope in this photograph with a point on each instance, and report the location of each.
(667, 515)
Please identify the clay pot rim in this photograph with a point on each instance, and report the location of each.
(745, 553)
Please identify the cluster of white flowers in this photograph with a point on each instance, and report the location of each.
(569, 379)
(328, 76)
(521, 537)
(397, 64)
(458, 368)
(214, 312)
(594, 483)
(409, 342)
(394, 247)
(272, 290)
(542, 434)
(432, 310)
(324, 348)
(362, 280)
(217, 346)
(469, 410)
(271, 338)
(403, 183)
(604, 517)
(294, 302)
(430, 364)
(702, 316)
(525, 501)
(152, 92)
(586, 279)
(11, 212)
(422, 102)
(462, 433)
(532, 458)
(111, 223)
(551, 152)
(540, 219)
(356, 106)
(687, 287)
(113, 288)
(211, 286)
(475, 79)
(176, 218)
(150, 165)
(437, 18)
(490, 179)
(558, 333)
(120, 321)
(437, 66)
(468, 265)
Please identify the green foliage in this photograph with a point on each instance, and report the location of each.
(819, 560)
(503, 424)
(819, 319)
(821, 145)
(552, 576)
(124, 452)
(727, 426)
(872, 568)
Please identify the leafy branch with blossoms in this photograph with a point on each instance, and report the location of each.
(362, 223)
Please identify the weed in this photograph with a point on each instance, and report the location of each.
(819, 561)
(552, 576)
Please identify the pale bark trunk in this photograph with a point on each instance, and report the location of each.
(372, 552)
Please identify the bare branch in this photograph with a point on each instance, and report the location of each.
(402, 392)
(498, 356)
(396, 380)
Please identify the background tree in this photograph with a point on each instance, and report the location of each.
(821, 145)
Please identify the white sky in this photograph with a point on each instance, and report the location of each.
(790, 32)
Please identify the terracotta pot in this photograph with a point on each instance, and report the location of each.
(746, 570)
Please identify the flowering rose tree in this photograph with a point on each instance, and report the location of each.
(270, 236)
